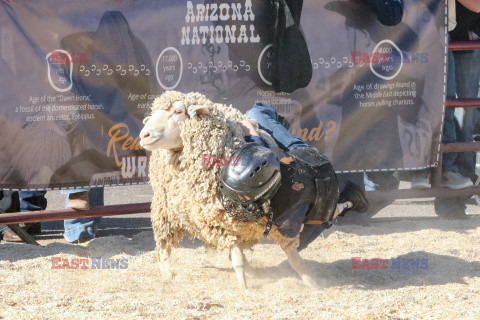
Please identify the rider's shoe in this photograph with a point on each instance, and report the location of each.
(356, 196)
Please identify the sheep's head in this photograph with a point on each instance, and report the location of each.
(162, 129)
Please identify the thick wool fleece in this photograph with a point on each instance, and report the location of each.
(185, 190)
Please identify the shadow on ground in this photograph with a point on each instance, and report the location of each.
(105, 247)
(440, 270)
(382, 226)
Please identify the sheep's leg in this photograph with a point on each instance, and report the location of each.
(246, 264)
(297, 264)
(238, 262)
(164, 259)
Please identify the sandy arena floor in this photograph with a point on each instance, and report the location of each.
(445, 286)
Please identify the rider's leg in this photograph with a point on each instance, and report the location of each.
(267, 119)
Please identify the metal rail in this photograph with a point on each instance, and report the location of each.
(464, 45)
(460, 147)
(463, 103)
(52, 215)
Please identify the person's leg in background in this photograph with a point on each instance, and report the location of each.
(452, 207)
(465, 123)
(467, 76)
(77, 199)
(451, 177)
(449, 132)
(29, 201)
(83, 229)
(421, 179)
(380, 181)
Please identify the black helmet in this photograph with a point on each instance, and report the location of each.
(253, 174)
(251, 178)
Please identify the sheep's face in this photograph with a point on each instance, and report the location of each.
(162, 129)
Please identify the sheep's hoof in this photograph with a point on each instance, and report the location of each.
(310, 282)
(242, 286)
(168, 275)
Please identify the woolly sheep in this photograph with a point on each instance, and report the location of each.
(184, 188)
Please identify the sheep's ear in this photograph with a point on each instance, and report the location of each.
(193, 110)
(146, 120)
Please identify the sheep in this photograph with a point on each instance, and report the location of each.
(183, 128)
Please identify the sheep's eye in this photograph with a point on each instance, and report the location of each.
(178, 111)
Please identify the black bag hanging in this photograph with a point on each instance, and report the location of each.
(277, 22)
(292, 67)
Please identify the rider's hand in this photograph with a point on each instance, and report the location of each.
(248, 128)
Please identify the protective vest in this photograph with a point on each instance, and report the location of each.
(308, 179)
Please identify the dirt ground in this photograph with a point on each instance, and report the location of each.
(446, 284)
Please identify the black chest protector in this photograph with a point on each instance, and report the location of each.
(307, 178)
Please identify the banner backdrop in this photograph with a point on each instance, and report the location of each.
(362, 81)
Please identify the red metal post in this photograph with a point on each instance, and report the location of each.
(460, 147)
(463, 103)
(464, 45)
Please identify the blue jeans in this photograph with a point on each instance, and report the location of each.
(32, 200)
(267, 119)
(449, 131)
(83, 227)
(462, 81)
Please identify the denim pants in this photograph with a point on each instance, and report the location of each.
(267, 119)
(32, 200)
(83, 227)
(462, 81)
